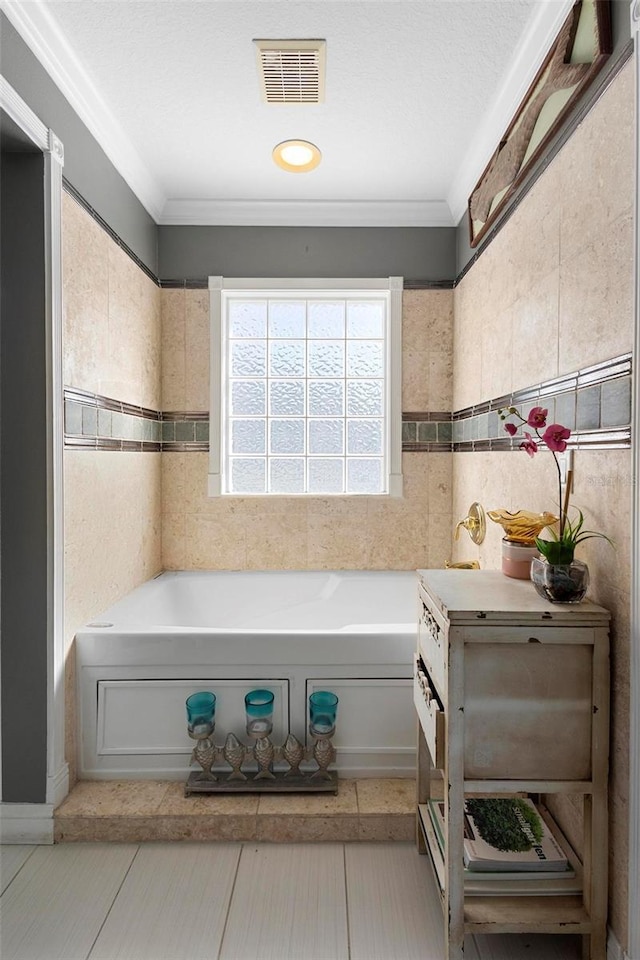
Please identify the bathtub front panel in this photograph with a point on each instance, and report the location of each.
(133, 679)
(145, 720)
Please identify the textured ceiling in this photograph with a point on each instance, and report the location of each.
(407, 86)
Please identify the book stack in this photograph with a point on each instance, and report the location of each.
(508, 849)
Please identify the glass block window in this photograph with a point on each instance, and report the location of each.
(307, 399)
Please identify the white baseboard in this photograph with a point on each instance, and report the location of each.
(26, 823)
(58, 786)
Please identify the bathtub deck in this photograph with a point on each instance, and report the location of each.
(136, 811)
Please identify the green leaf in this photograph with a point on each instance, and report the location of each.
(556, 551)
(560, 549)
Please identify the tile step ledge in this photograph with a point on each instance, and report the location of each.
(136, 811)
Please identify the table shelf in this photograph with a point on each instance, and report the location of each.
(516, 702)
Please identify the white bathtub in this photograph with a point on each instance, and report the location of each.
(352, 632)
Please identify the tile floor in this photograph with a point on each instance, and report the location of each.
(233, 901)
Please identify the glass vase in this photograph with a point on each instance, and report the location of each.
(560, 582)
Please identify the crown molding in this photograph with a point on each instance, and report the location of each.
(308, 213)
(40, 31)
(538, 37)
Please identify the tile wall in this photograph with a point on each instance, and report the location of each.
(552, 295)
(311, 533)
(112, 502)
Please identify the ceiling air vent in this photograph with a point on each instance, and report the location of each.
(291, 71)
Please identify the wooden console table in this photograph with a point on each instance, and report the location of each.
(512, 697)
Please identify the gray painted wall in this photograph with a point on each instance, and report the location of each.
(23, 479)
(196, 252)
(621, 31)
(86, 165)
(424, 253)
(185, 252)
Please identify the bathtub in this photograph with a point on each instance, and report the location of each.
(352, 632)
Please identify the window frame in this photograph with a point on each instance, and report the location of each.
(223, 288)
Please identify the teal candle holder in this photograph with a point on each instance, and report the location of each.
(201, 713)
(323, 707)
(269, 757)
(258, 705)
(201, 722)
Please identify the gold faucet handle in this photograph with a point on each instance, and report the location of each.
(469, 523)
(474, 522)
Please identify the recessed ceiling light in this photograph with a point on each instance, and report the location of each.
(297, 156)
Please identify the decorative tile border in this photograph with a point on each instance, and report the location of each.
(185, 430)
(426, 432)
(408, 284)
(594, 403)
(202, 284)
(95, 422)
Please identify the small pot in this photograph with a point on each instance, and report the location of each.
(516, 559)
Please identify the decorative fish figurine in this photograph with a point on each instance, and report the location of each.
(264, 751)
(293, 753)
(204, 753)
(323, 754)
(234, 753)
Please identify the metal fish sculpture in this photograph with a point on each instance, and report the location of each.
(293, 753)
(264, 751)
(234, 753)
(323, 754)
(204, 753)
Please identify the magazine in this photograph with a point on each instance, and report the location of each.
(507, 836)
(496, 883)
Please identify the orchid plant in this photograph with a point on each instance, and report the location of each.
(560, 549)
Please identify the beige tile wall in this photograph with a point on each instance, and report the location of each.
(112, 500)
(553, 293)
(111, 315)
(185, 350)
(317, 533)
